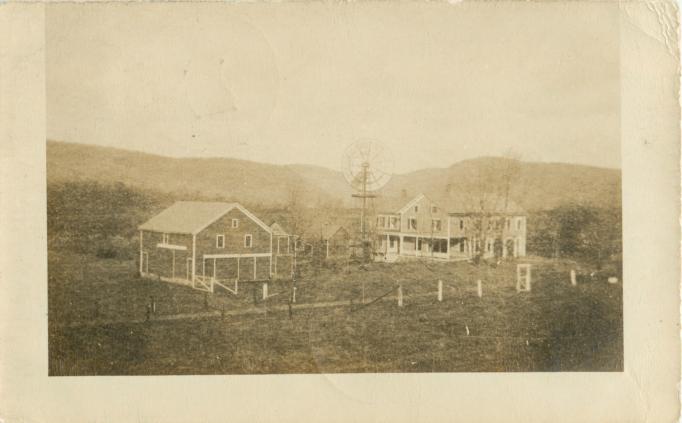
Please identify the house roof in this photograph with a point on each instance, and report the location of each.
(483, 203)
(191, 217)
(455, 203)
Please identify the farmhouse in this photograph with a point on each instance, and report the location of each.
(203, 242)
(452, 228)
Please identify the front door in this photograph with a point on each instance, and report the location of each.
(393, 242)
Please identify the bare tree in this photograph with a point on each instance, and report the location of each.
(488, 199)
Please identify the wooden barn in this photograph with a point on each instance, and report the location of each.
(206, 243)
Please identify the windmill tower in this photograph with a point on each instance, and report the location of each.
(367, 166)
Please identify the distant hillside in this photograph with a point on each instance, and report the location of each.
(535, 186)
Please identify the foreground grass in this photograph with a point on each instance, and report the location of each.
(553, 327)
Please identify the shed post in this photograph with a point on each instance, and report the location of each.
(141, 256)
(270, 253)
(173, 269)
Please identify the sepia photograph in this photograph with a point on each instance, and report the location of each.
(311, 188)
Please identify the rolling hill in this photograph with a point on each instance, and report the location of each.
(534, 185)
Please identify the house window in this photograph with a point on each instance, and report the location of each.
(490, 224)
(436, 225)
(381, 221)
(507, 221)
(490, 246)
(461, 224)
(461, 247)
(165, 239)
(235, 223)
(419, 244)
(247, 240)
(518, 224)
(394, 222)
(392, 242)
(434, 209)
(416, 209)
(412, 223)
(220, 241)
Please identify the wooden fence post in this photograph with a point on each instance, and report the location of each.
(293, 298)
(479, 287)
(440, 290)
(265, 290)
(400, 295)
(573, 281)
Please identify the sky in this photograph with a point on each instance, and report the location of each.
(284, 83)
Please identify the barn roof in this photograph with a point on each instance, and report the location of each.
(278, 230)
(324, 230)
(191, 217)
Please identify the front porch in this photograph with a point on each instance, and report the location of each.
(411, 245)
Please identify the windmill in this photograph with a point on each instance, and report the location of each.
(367, 166)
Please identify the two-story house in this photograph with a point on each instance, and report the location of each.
(452, 228)
(192, 242)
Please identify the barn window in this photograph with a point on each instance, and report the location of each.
(220, 241)
(412, 223)
(235, 223)
(247, 240)
(165, 239)
(436, 225)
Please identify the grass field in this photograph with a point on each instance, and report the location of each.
(97, 310)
